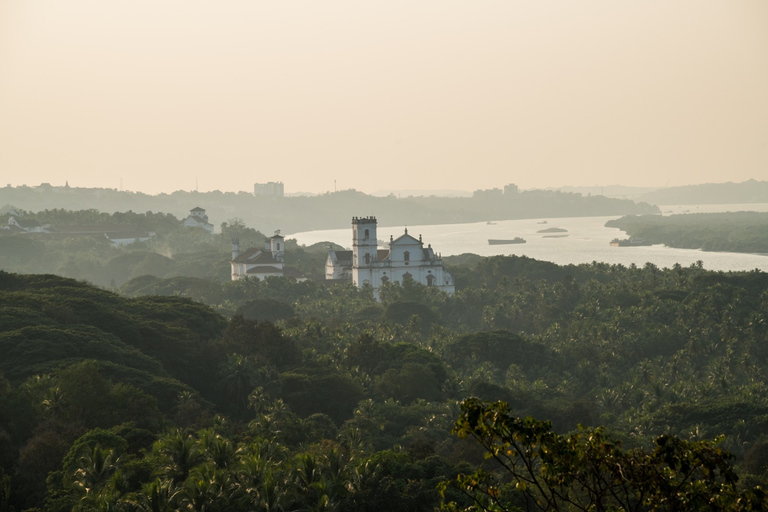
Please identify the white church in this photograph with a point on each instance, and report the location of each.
(406, 259)
(259, 263)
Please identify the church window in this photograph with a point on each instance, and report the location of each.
(407, 277)
(367, 234)
(384, 279)
(430, 280)
(278, 247)
(407, 256)
(367, 259)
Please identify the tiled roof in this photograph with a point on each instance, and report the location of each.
(265, 269)
(254, 255)
(344, 257)
(122, 235)
(27, 223)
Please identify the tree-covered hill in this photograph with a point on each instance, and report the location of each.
(732, 232)
(48, 322)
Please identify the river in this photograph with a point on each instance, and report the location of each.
(587, 240)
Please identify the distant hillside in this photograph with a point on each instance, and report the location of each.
(711, 193)
(157, 344)
(327, 211)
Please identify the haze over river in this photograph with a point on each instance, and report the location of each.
(587, 241)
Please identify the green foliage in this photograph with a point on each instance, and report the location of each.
(588, 470)
(732, 232)
(261, 340)
(321, 390)
(265, 310)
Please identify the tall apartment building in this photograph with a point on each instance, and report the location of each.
(271, 189)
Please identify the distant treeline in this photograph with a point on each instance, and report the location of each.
(750, 191)
(173, 251)
(733, 232)
(327, 211)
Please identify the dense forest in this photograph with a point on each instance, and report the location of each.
(733, 231)
(187, 393)
(330, 210)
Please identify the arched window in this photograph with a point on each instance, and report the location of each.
(407, 277)
(384, 279)
(367, 234)
(430, 280)
(367, 259)
(407, 256)
(278, 246)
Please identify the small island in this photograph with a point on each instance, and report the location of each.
(516, 240)
(629, 242)
(552, 230)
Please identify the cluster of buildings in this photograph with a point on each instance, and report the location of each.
(366, 265)
(402, 259)
(119, 235)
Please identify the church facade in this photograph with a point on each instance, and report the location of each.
(406, 259)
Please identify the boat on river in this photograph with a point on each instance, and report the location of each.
(516, 240)
(628, 242)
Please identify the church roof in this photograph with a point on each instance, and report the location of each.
(405, 238)
(197, 209)
(254, 255)
(264, 269)
(343, 257)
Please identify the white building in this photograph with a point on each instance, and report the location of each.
(406, 259)
(198, 219)
(123, 238)
(255, 262)
(26, 226)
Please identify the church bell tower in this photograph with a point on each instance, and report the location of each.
(364, 248)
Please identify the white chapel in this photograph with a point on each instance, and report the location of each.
(406, 259)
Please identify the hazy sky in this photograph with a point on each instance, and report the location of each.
(425, 94)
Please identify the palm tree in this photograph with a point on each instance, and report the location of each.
(94, 468)
(179, 453)
(237, 377)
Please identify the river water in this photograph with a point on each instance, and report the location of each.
(587, 240)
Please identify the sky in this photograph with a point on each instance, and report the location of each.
(165, 95)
